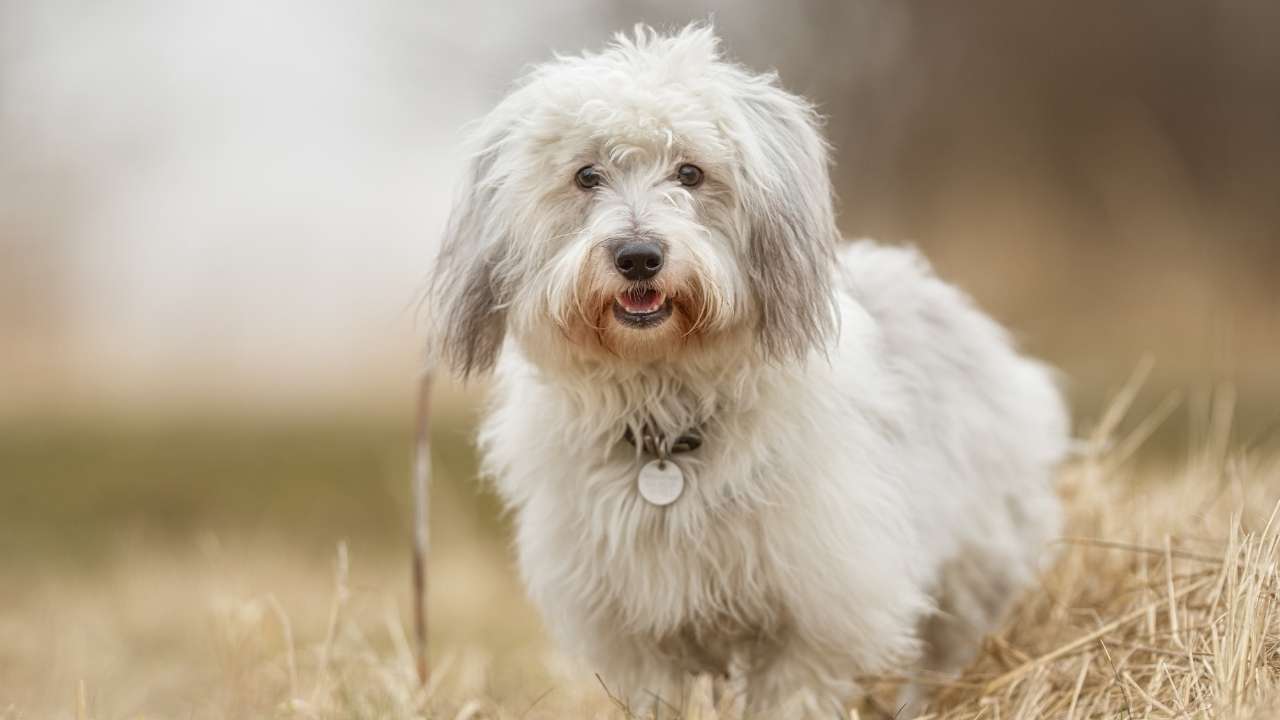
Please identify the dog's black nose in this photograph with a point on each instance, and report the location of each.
(638, 260)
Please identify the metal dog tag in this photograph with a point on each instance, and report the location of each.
(661, 482)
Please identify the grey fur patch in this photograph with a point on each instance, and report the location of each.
(465, 297)
(791, 250)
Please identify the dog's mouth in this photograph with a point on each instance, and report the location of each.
(641, 308)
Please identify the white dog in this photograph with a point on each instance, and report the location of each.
(726, 436)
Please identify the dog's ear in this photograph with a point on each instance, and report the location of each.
(466, 296)
(785, 190)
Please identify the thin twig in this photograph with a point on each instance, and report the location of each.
(1128, 711)
(286, 629)
(341, 593)
(623, 706)
(421, 529)
(535, 702)
(1128, 547)
(1079, 686)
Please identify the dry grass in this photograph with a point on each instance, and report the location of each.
(1162, 604)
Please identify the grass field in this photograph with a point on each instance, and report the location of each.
(216, 220)
(220, 569)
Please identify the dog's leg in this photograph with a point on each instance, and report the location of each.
(978, 585)
(973, 594)
(634, 673)
(729, 691)
(950, 642)
(791, 682)
(658, 695)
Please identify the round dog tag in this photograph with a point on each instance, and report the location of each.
(661, 482)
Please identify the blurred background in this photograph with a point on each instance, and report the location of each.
(215, 219)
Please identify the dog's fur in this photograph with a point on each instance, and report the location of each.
(875, 481)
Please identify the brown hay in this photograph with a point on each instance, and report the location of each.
(1163, 602)
(1140, 620)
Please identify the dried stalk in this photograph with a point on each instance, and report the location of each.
(421, 529)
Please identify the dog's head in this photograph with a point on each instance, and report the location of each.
(640, 205)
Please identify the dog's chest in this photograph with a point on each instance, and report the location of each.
(694, 575)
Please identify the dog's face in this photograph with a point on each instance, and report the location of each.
(640, 205)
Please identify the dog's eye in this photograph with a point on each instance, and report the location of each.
(689, 175)
(588, 177)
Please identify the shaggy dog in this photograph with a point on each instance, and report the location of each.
(727, 437)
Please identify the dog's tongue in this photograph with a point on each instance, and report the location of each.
(641, 302)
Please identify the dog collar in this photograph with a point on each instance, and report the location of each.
(661, 481)
(655, 442)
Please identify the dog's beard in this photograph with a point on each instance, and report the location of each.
(639, 321)
(647, 321)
